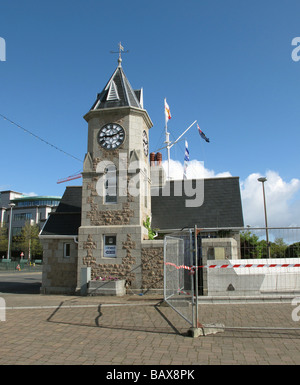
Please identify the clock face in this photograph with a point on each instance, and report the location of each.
(145, 143)
(111, 136)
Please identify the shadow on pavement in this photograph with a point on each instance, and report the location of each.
(20, 284)
(139, 318)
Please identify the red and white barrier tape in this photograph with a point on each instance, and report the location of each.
(231, 266)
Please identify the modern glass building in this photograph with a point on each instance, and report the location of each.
(23, 208)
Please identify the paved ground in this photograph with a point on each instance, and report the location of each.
(136, 330)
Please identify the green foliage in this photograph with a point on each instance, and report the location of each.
(3, 241)
(249, 245)
(252, 247)
(151, 232)
(278, 248)
(293, 251)
(28, 241)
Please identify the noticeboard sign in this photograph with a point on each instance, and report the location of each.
(110, 246)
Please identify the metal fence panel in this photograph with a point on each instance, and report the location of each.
(178, 282)
(16, 266)
(240, 262)
(238, 269)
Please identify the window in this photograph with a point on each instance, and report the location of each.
(22, 217)
(41, 202)
(67, 250)
(110, 184)
(110, 246)
(145, 188)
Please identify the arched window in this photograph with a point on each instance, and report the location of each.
(110, 184)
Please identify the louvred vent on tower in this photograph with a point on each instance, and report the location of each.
(118, 93)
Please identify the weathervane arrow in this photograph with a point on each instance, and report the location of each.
(121, 49)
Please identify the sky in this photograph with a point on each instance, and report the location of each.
(229, 64)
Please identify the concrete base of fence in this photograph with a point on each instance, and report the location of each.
(206, 330)
(253, 277)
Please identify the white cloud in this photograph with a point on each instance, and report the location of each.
(281, 209)
(31, 194)
(282, 202)
(196, 169)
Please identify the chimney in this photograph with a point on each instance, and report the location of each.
(152, 159)
(158, 178)
(158, 159)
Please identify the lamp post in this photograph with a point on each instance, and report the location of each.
(263, 180)
(9, 234)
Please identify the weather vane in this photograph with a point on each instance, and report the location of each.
(121, 49)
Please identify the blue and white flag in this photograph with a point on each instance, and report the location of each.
(201, 133)
(186, 159)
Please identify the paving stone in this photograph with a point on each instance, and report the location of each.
(123, 331)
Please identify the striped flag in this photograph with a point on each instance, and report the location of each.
(167, 111)
(186, 159)
(201, 133)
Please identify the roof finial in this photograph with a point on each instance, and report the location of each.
(121, 49)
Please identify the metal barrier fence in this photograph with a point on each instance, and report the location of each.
(178, 282)
(236, 265)
(252, 266)
(19, 266)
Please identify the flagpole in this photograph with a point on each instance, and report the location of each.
(168, 148)
(183, 134)
(167, 136)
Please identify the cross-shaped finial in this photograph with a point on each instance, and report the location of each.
(121, 49)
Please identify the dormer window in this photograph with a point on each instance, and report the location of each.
(112, 92)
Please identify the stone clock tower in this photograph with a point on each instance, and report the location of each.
(116, 196)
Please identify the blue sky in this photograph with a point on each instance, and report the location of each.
(225, 63)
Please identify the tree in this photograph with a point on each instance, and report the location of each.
(293, 251)
(29, 242)
(3, 241)
(249, 244)
(278, 248)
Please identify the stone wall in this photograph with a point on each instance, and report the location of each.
(127, 211)
(152, 258)
(123, 270)
(59, 272)
(140, 263)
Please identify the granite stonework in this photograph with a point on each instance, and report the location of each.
(107, 234)
(59, 272)
(152, 261)
(138, 262)
(124, 218)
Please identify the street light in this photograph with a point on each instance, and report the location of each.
(263, 180)
(9, 234)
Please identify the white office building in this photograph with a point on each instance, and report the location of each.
(23, 208)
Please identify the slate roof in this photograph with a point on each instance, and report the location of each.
(221, 208)
(67, 218)
(118, 93)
